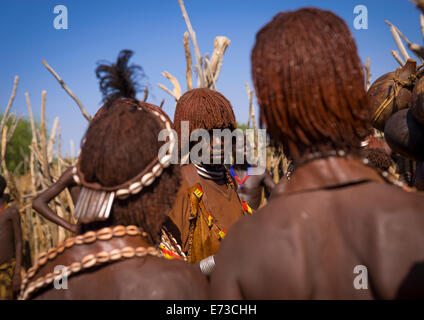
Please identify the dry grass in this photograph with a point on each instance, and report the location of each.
(43, 168)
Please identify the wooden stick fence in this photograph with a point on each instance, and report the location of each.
(41, 169)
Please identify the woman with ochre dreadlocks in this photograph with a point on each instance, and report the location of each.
(337, 230)
(116, 80)
(207, 203)
(127, 191)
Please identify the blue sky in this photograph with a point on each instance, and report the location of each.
(98, 30)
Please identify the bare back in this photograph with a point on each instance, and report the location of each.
(306, 245)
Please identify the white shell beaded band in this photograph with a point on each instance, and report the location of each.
(95, 201)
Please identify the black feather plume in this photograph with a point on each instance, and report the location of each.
(119, 80)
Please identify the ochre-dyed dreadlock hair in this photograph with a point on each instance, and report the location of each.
(309, 83)
(204, 108)
(118, 80)
(119, 143)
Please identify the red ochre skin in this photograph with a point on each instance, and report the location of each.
(40, 203)
(332, 215)
(11, 242)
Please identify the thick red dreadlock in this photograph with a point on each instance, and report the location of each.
(204, 108)
(309, 83)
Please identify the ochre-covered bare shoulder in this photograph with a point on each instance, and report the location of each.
(181, 280)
